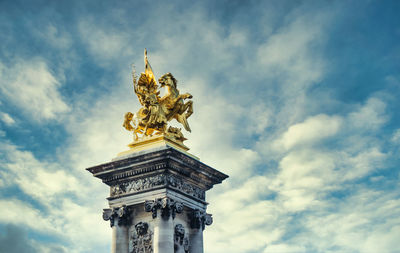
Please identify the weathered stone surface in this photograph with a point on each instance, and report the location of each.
(160, 180)
(173, 167)
(121, 214)
(167, 206)
(141, 240)
(181, 241)
(199, 219)
(157, 201)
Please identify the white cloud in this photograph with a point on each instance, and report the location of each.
(24, 170)
(83, 226)
(31, 87)
(396, 137)
(104, 43)
(303, 176)
(96, 130)
(6, 118)
(363, 163)
(370, 116)
(284, 248)
(290, 62)
(310, 131)
(291, 54)
(67, 208)
(55, 36)
(367, 221)
(20, 213)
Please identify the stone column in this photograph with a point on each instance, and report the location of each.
(198, 219)
(164, 179)
(163, 237)
(196, 240)
(120, 219)
(163, 211)
(120, 240)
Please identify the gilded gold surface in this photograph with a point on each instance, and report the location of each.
(153, 117)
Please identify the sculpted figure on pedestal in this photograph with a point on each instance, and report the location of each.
(156, 111)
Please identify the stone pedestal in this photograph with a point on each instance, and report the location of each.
(157, 200)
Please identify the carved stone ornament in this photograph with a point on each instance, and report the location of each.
(141, 240)
(185, 187)
(198, 219)
(142, 184)
(167, 206)
(122, 214)
(137, 185)
(181, 243)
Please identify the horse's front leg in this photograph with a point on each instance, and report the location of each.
(188, 108)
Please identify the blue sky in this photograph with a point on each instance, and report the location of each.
(296, 100)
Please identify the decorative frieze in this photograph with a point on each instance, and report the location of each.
(167, 206)
(181, 242)
(137, 185)
(142, 184)
(141, 240)
(187, 188)
(198, 219)
(122, 214)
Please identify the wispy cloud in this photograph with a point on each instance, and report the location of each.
(310, 168)
(6, 118)
(31, 87)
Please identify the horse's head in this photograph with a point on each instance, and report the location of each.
(168, 80)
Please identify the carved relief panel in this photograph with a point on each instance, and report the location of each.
(142, 184)
(181, 241)
(141, 238)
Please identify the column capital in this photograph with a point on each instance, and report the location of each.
(122, 214)
(198, 219)
(168, 207)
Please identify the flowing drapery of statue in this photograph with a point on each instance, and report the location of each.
(152, 119)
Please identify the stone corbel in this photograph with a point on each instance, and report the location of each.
(198, 219)
(167, 206)
(123, 214)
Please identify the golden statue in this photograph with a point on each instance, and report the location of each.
(152, 119)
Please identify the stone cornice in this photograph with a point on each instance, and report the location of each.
(167, 159)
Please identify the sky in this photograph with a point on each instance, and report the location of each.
(295, 100)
